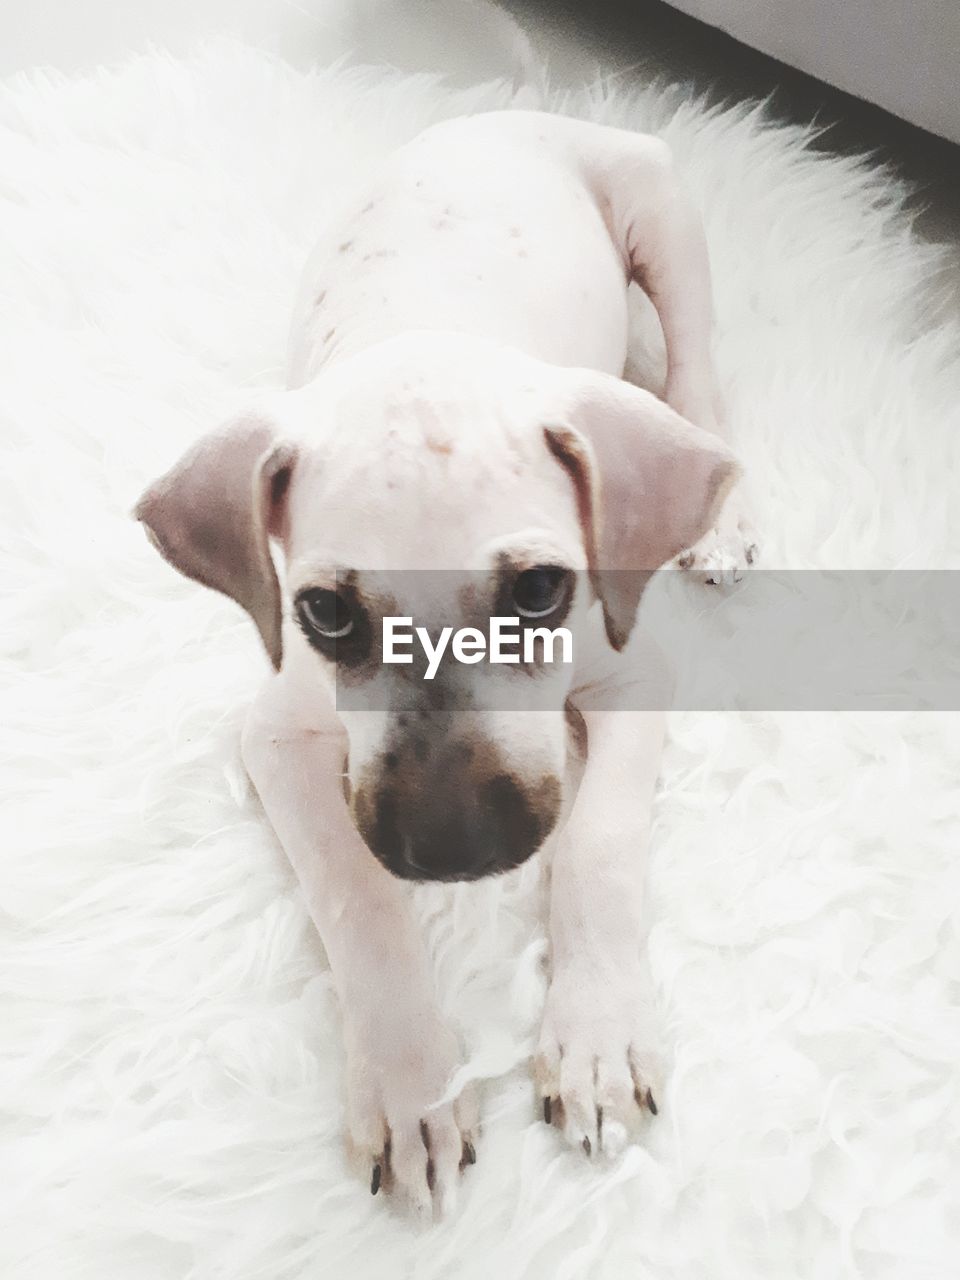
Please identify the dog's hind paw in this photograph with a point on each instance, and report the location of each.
(723, 555)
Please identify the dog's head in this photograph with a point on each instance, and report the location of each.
(444, 480)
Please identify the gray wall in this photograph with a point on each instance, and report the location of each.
(903, 55)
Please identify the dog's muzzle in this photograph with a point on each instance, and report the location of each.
(449, 810)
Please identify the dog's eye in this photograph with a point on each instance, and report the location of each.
(540, 591)
(326, 614)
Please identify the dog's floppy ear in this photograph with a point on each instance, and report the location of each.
(649, 484)
(212, 514)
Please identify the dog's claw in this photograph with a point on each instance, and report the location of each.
(646, 1100)
(547, 1110)
(469, 1155)
(724, 553)
(588, 1149)
(375, 1180)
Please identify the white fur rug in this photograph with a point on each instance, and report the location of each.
(171, 1049)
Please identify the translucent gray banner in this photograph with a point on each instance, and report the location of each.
(778, 640)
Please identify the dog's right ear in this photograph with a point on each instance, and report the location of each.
(212, 515)
(648, 483)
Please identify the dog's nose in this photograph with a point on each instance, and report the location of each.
(422, 861)
(455, 840)
(456, 829)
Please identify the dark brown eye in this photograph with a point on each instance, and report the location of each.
(540, 591)
(326, 613)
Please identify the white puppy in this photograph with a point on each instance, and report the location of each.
(456, 406)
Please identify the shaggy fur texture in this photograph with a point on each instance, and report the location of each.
(171, 1050)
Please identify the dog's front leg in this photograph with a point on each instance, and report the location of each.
(597, 1067)
(401, 1052)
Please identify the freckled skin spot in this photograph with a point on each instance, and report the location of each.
(329, 334)
(347, 244)
(319, 299)
(367, 207)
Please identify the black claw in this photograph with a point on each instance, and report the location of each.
(599, 1126)
(469, 1153)
(430, 1175)
(425, 1134)
(548, 1110)
(586, 1146)
(375, 1180)
(654, 1110)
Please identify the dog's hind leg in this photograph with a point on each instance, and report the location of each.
(657, 227)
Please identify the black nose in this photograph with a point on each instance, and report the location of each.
(457, 832)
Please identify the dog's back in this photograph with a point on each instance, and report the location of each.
(483, 225)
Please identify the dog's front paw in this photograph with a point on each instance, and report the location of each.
(725, 553)
(400, 1136)
(596, 1068)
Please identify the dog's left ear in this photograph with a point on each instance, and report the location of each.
(649, 485)
(213, 513)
